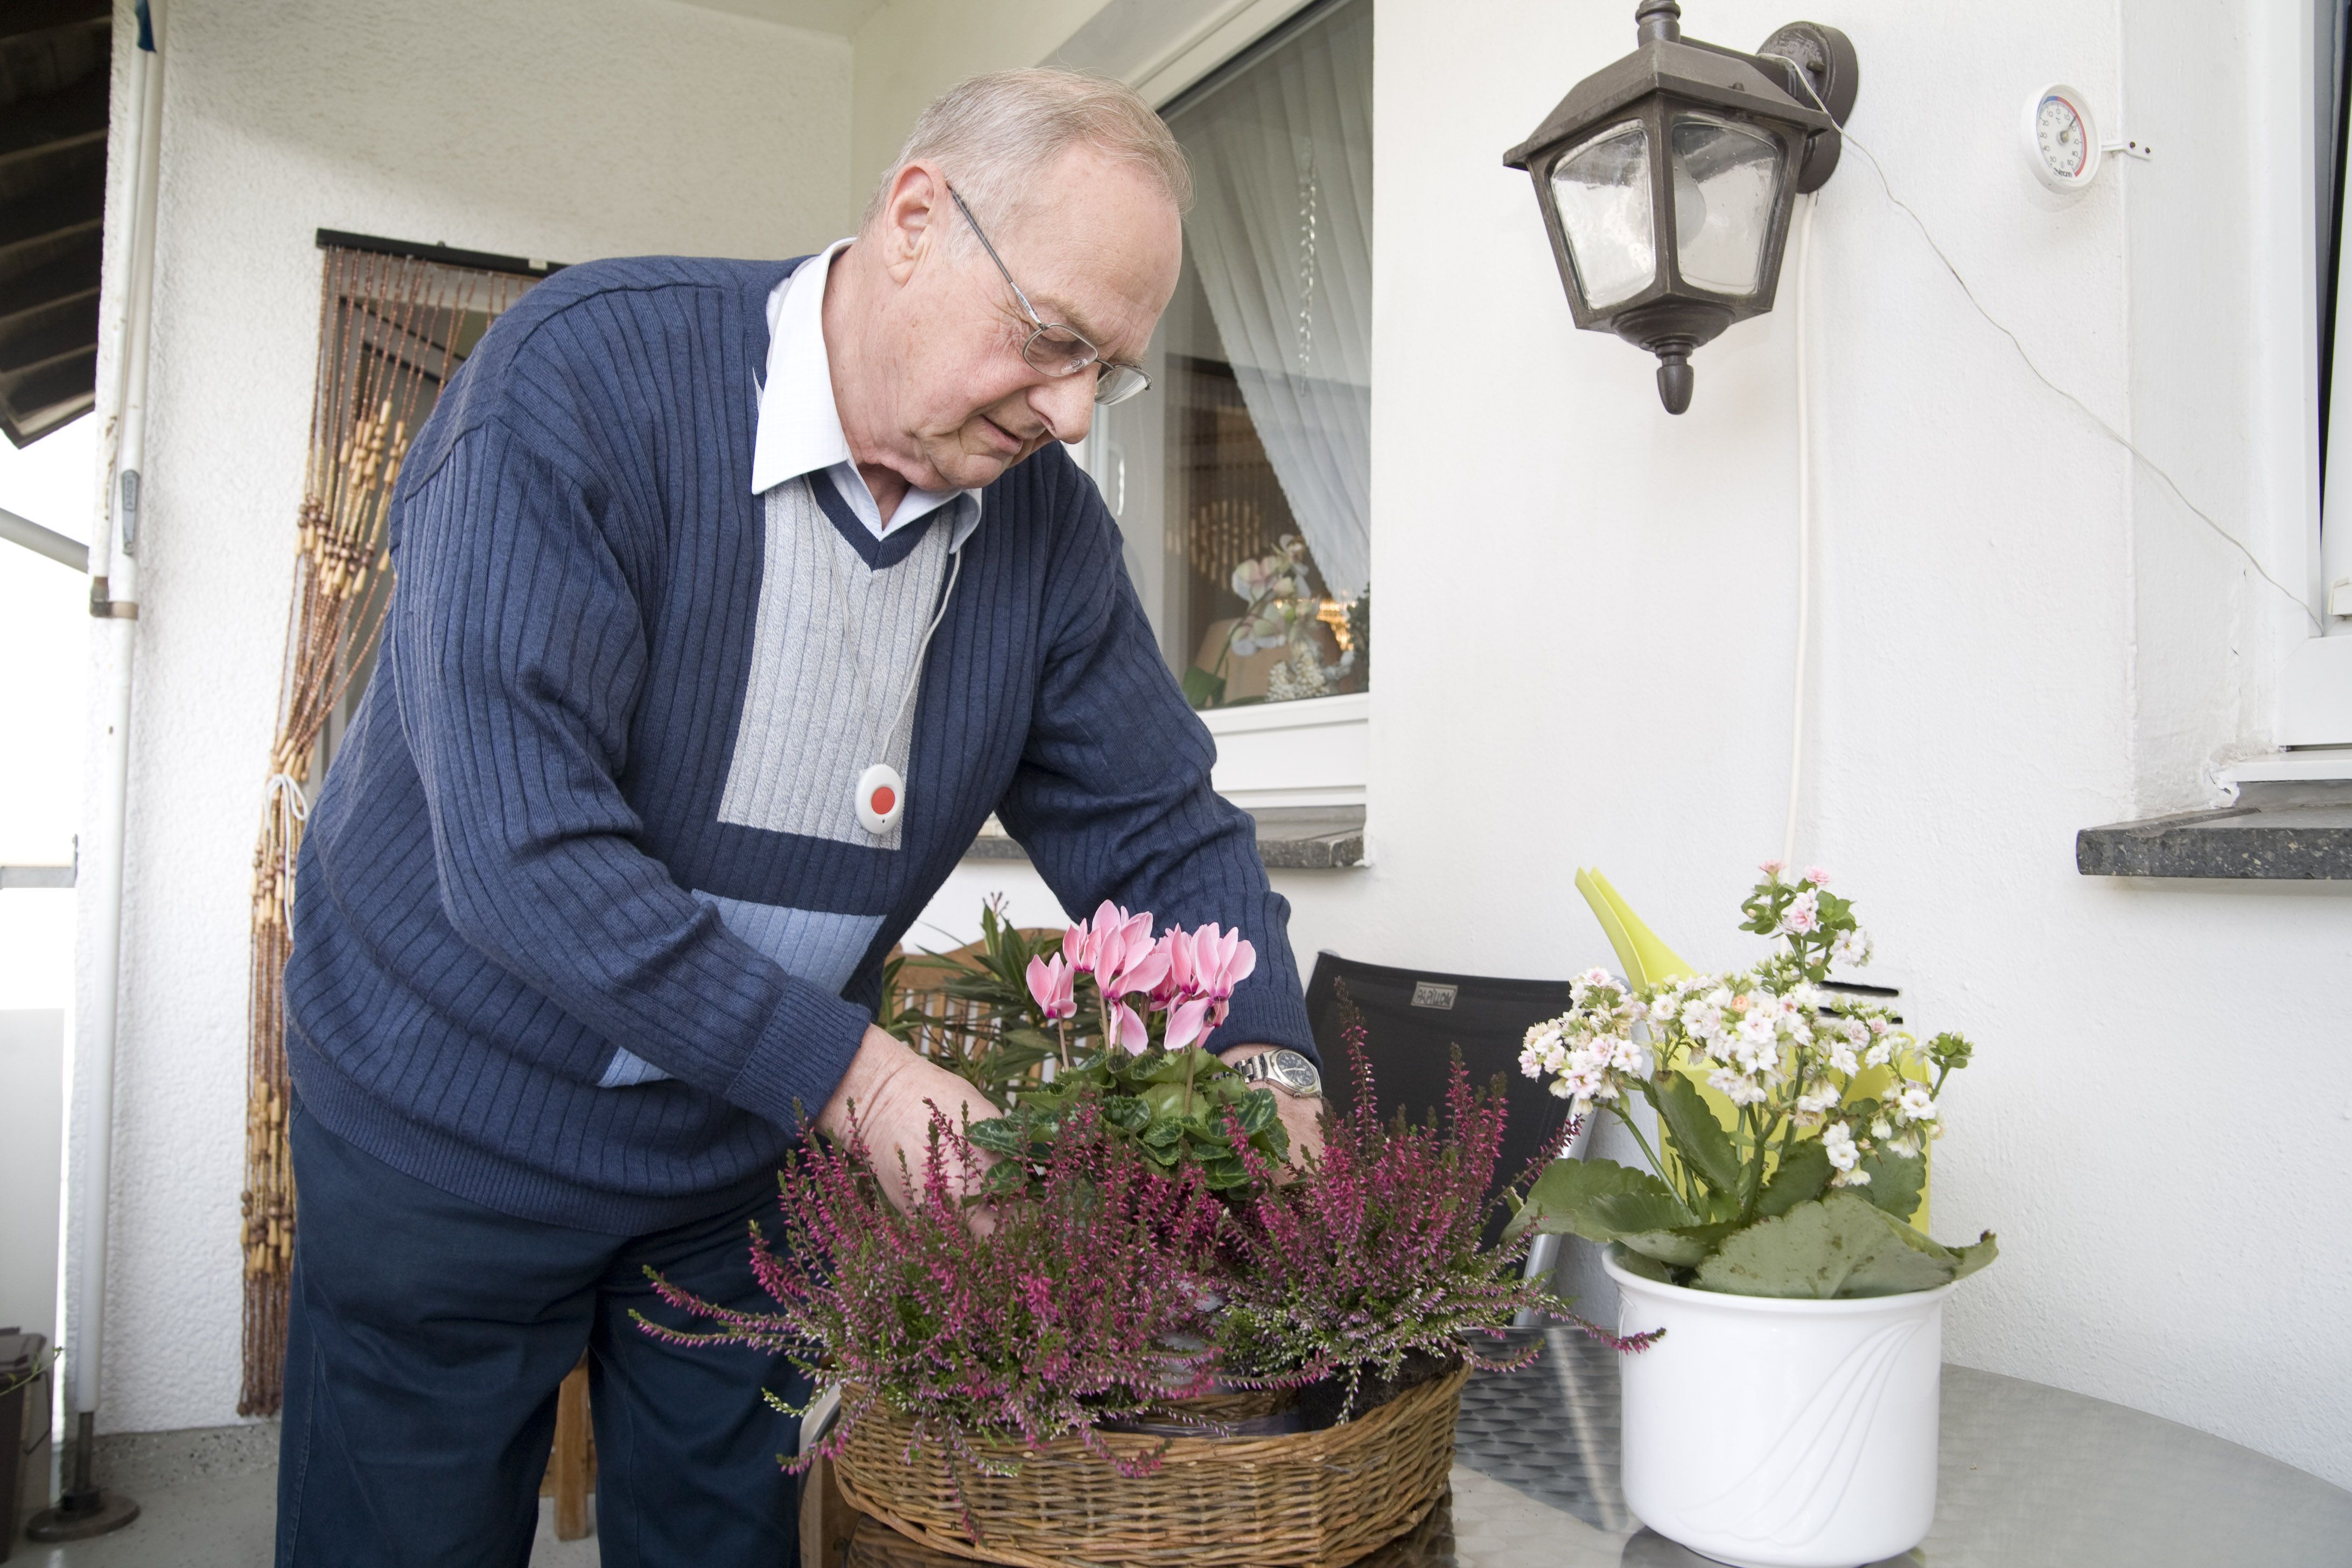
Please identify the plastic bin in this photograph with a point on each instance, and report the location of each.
(24, 1422)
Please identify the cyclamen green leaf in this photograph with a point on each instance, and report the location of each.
(1803, 1175)
(1000, 1135)
(1258, 1111)
(1126, 1111)
(1561, 1202)
(1698, 1138)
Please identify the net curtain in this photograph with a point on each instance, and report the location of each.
(1282, 237)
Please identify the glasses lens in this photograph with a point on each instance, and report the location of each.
(1117, 383)
(1058, 351)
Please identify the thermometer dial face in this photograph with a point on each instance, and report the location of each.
(2061, 139)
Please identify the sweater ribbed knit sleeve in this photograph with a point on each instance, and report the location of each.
(517, 664)
(1112, 799)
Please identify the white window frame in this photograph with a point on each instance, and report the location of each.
(1314, 753)
(2315, 699)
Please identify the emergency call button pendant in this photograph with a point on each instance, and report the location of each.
(881, 798)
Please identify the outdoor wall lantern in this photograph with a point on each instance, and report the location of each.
(1666, 180)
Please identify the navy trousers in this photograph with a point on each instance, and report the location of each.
(428, 1339)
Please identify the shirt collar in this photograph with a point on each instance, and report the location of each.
(800, 425)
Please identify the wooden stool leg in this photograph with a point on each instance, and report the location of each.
(572, 1459)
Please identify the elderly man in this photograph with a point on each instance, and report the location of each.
(733, 598)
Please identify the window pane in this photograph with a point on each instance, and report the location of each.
(1243, 482)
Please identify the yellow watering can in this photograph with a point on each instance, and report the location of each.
(1647, 960)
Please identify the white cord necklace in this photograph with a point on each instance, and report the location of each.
(881, 794)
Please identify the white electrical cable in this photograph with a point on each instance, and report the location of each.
(1804, 536)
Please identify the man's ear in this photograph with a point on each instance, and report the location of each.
(916, 205)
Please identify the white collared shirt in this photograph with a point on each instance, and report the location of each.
(800, 425)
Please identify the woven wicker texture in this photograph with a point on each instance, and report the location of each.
(1307, 1499)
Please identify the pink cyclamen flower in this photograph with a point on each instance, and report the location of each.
(1179, 983)
(1053, 984)
(1125, 958)
(1187, 1022)
(1222, 960)
(1817, 876)
(1128, 1028)
(1099, 947)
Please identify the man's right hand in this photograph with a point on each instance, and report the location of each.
(893, 1090)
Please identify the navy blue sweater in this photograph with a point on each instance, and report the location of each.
(518, 867)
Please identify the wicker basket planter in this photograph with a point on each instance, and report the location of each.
(1304, 1499)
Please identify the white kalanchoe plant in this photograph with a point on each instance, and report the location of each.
(1809, 1187)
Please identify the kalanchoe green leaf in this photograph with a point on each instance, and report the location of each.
(1625, 1214)
(1838, 1247)
(1698, 1138)
(1950, 1052)
(1896, 1182)
(1561, 1202)
(1683, 1249)
(1803, 1175)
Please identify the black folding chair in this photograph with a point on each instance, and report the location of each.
(1414, 1019)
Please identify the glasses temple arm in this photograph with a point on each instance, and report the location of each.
(981, 234)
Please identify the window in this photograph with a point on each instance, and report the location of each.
(1244, 484)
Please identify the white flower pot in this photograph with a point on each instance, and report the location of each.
(1781, 1433)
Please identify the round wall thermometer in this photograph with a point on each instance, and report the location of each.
(2062, 139)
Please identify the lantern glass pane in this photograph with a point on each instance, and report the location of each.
(1601, 191)
(1727, 182)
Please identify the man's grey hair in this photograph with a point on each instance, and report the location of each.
(994, 135)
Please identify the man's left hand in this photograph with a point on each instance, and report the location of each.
(1302, 1114)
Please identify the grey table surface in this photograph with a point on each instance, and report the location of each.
(2032, 1476)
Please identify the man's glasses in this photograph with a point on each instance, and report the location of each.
(1054, 349)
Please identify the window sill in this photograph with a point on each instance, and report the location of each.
(1306, 714)
(2297, 829)
(1289, 838)
(1313, 754)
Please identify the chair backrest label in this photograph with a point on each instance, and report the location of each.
(1430, 993)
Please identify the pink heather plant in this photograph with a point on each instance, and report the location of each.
(1072, 1310)
(1374, 1259)
(1146, 1244)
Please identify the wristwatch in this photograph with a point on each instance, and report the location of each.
(1286, 1070)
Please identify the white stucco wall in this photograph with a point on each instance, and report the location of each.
(1586, 618)
(568, 130)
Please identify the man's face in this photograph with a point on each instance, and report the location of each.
(1097, 248)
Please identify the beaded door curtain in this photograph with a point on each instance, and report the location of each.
(392, 330)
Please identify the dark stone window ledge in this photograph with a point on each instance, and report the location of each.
(2276, 832)
(1289, 838)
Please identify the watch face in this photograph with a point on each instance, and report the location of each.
(1293, 1072)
